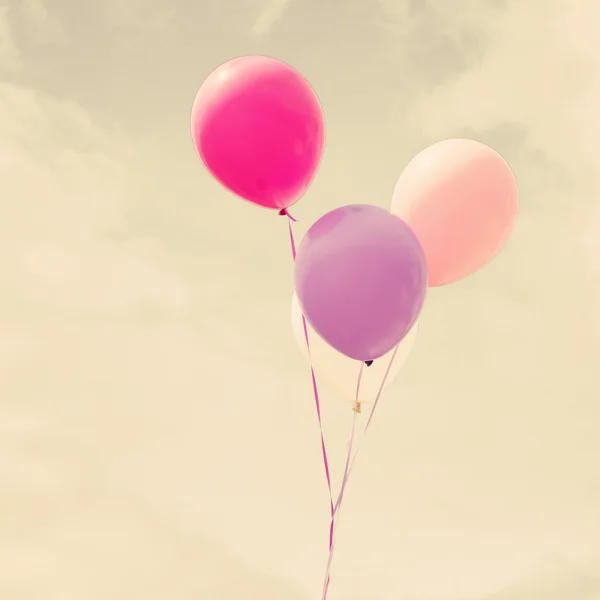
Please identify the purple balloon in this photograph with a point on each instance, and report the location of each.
(361, 280)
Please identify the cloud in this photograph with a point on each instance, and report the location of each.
(158, 18)
(524, 78)
(64, 189)
(554, 579)
(73, 534)
(536, 69)
(10, 57)
(100, 337)
(41, 26)
(132, 367)
(84, 306)
(533, 71)
(269, 17)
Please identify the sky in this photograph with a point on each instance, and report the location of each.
(157, 429)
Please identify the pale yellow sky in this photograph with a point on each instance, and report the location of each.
(157, 430)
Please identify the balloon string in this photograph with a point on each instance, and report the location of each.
(349, 466)
(349, 461)
(291, 220)
(336, 510)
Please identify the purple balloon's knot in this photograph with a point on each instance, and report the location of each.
(368, 363)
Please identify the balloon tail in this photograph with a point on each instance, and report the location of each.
(284, 213)
(369, 362)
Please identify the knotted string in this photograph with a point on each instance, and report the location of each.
(350, 459)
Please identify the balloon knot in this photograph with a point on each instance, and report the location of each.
(285, 213)
(357, 408)
(368, 363)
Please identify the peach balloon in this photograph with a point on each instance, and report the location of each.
(460, 198)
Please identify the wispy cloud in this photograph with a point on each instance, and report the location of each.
(10, 57)
(158, 18)
(42, 27)
(64, 186)
(531, 91)
(146, 356)
(553, 579)
(269, 17)
(72, 292)
(535, 70)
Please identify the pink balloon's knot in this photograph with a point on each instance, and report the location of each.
(284, 213)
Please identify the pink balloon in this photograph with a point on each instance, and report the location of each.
(259, 128)
(461, 200)
(361, 279)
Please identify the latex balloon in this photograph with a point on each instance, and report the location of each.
(340, 373)
(259, 128)
(361, 278)
(461, 200)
